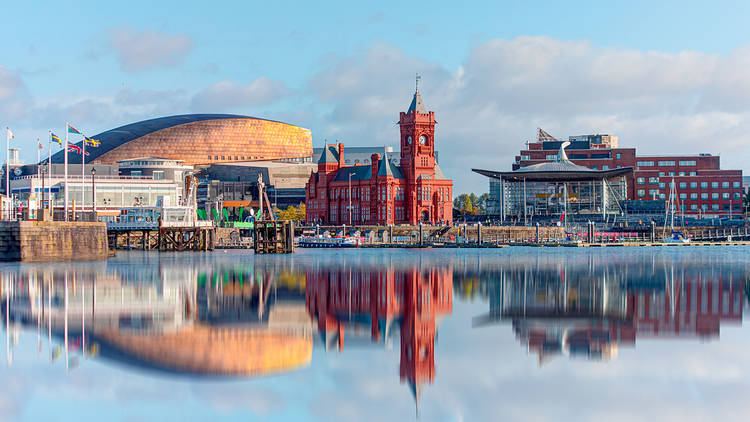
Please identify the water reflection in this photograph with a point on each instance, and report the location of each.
(374, 303)
(347, 330)
(215, 320)
(590, 308)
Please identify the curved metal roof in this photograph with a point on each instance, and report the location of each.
(553, 166)
(113, 138)
(561, 169)
(554, 174)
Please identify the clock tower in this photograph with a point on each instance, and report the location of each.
(417, 140)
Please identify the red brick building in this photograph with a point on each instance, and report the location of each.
(377, 303)
(383, 192)
(702, 187)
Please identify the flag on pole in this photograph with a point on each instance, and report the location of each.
(71, 129)
(10, 134)
(75, 148)
(40, 144)
(91, 142)
(56, 138)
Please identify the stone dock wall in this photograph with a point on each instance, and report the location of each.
(512, 233)
(489, 233)
(39, 241)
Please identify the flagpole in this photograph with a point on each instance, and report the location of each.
(49, 172)
(7, 162)
(65, 182)
(83, 175)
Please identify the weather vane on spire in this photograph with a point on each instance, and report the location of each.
(418, 78)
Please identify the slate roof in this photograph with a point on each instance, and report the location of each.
(352, 154)
(360, 173)
(439, 175)
(330, 154)
(416, 104)
(388, 168)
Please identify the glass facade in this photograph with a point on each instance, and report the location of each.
(549, 198)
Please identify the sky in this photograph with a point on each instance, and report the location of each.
(666, 78)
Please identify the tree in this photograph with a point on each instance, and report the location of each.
(292, 213)
(463, 204)
(482, 203)
(471, 203)
(467, 207)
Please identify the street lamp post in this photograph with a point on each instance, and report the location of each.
(43, 170)
(350, 198)
(93, 192)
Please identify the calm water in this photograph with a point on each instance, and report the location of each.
(380, 335)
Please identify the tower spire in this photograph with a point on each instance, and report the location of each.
(416, 102)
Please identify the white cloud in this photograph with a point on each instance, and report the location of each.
(228, 95)
(685, 102)
(142, 50)
(14, 96)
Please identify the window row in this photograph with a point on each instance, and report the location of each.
(229, 157)
(666, 163)
(641, 193)
(693, 185)
(714, 207)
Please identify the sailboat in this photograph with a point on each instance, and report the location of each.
(676, 236)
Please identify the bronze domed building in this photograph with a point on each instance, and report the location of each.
(212, 350)
(198, 139)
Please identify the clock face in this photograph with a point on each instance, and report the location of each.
(422, 139)
(408, 140)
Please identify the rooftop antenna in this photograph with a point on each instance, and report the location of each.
(417, 83)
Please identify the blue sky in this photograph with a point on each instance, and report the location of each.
(664, 77)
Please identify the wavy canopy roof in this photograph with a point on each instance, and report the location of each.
(114, 138)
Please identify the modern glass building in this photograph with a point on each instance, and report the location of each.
(557, 188)
(138, 182)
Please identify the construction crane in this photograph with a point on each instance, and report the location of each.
(263, 197)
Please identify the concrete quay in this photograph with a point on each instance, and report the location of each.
(42, 241)
(548, 245)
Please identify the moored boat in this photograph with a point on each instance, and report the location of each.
(328, 242)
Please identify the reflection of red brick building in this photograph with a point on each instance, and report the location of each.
(691, 309)
(381, 191)
(346, 303)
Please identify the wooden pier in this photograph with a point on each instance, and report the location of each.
(162, 229)
(164, 239)
(274, 237)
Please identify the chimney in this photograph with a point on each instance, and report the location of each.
(341, 154)
(375, 160)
